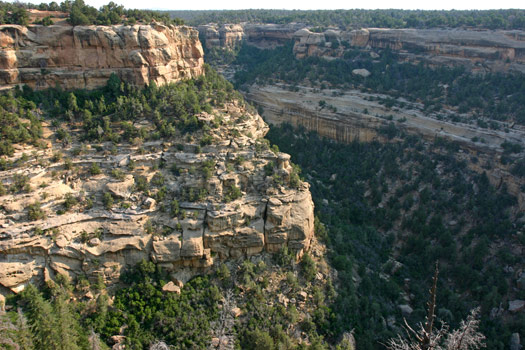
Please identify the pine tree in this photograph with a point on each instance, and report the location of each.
(41, 319)
(24, 338)
(65, 324)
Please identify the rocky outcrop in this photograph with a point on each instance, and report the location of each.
(477, 50)
(83, 57)
(196, 222)
(270, 35)
(227, 36)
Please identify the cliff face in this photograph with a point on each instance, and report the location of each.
(359, 117)
(83, 57)
(98, 240)
(228, 36)
(485, 50)
(477, 50)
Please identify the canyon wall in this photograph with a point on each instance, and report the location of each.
(477, 50)
(84, 57)
(353, 115)
(228, 36)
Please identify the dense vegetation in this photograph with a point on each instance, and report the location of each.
(50, 320)
(143, 314)
(493, 96)
(416, 204)
(344, 19)
(82, 14)
(106, 114)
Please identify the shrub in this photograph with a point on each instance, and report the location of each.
(108, 200)
(35, 212)
(95, 169)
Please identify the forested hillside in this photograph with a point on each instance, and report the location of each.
(391, 210)
(491, 19)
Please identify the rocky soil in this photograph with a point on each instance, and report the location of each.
(93, 210)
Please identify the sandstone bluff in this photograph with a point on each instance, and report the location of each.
(101, 242)
(97, 240)
(83, 57)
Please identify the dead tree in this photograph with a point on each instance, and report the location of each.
(427, 337)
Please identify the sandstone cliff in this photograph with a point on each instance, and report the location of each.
(358, 116)
(228, 36)
(100, 240)
(83, 57)
(477, 50)
(483, 50)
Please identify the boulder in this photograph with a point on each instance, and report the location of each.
(516, 305)
(236, 312)
(122, 189)
(515, 343)
(362, 72)
(302, 296)
(405, 309)
(170, 287)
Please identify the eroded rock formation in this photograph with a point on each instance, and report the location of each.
(83, 57)
(477, 50)
(227, 36)
(92, 238)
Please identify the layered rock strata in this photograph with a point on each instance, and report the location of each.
(100, 240)
(227, 36)
(477, 50)
(358, 116)
(84, 57)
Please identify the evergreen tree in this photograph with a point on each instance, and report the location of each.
(41, 319)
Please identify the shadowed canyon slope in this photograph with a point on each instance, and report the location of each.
(83, 57)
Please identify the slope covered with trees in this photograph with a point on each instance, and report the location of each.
(393, 209)
(355, 18)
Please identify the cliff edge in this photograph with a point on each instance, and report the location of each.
(83, 57)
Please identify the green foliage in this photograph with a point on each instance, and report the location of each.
(452, 216)
(18, 123)
(94, 169)
(70, 201)
(108, 201)
(181, 320)
(35, 212)
(356, 18)
(109, 113)
(493, 96)
(13, 13)
(232, 193)
(309, 267)
(54, 324)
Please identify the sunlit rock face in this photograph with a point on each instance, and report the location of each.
(84, 57)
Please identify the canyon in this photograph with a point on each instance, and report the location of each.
(476, 50)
